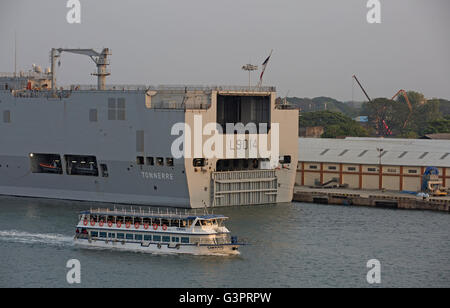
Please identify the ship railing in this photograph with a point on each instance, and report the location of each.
(42, 94)
(181, 105)
(206, 88)
(31, 74)
(174, 88)
(244, 175)
(139, 211)
(112, 87)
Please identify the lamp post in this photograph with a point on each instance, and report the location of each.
(249, 68)
(380, 155)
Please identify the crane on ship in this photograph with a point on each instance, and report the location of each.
(99, 58)
(380, 122)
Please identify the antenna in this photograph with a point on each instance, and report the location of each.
(15, 53)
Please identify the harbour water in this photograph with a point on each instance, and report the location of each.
(292, 245)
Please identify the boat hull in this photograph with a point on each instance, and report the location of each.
(162, 248)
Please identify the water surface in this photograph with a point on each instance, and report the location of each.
(292, 245)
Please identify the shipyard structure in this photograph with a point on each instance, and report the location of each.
(115, 143)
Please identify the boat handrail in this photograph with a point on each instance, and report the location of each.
(140, 212)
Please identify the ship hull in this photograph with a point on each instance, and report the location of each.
(115, 146)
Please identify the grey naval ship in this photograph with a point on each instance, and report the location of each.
(113, 144)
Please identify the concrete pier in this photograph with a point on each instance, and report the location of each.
(372, 198)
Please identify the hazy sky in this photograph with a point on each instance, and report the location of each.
(318, 44)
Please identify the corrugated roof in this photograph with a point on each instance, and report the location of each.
(398, 152)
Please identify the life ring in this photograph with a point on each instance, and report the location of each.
(128, 225)
(101, 223)
(137, 225)
(110, 224)
(164, 227)
(85, 222)
(119, 224)
(155, 227)
(92, 222)
(146, 226)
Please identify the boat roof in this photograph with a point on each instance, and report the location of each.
(182, 215)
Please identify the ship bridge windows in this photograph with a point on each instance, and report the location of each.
(46, 163)
(81, 165)
(246, 110)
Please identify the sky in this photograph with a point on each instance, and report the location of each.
(317, 44)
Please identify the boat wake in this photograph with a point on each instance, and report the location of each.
(35, 238)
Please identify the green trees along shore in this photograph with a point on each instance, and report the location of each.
(426, 116)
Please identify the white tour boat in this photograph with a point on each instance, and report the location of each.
(155, 232)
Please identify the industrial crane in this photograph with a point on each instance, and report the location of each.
(380, 119)
(405, 95)
(99, 58)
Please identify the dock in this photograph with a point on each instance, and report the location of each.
(370, 198)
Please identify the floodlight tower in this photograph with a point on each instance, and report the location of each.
(249, 68)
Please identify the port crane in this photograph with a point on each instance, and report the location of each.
(99, 58)
(405, 95)
(380, 119)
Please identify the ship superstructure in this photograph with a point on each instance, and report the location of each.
(115, 143)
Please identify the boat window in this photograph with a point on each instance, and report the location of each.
(169, 162)
(156, 238)
(238, 164)
(185, 240)
(121, 110)
(140, 160)
(198, 223)
(199, 162)
(112, 110)
(138, 237)
(175, 239)
(129, 236)
(165, 222)
(111, 235)
(116, 109)
(46, 163)
(103, 234)
(160, 161)
(285, 159)
(147, 238)
(94, 233)
(120, 236)
(81, 165)
(166, 239)
(175, 223)
(150, 161)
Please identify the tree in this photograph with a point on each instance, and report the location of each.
(438, 126)
(335, 124)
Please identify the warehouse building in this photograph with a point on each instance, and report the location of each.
(371, 163)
